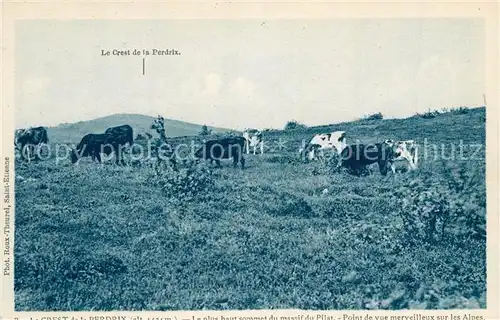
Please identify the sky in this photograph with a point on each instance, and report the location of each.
(246, 73)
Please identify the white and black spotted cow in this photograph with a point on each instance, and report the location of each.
(325, 141)
(407, 151)
(253, 138)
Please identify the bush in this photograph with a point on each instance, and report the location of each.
(460, 110)
(205, 131)
(429, 114)
(231, 134)
(293, 125)
(375, 116)
(432, 114)
(330, 163)
(184, 184)
(433, 213)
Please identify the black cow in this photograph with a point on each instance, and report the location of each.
(91, 145)
(29, 139)
(112, 140)
(357, 157)
(224, 148)
(121, 134)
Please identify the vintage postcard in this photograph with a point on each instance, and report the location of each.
(249, 161)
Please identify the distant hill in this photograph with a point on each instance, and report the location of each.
(73, 132)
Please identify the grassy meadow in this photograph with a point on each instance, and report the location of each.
(279, 234)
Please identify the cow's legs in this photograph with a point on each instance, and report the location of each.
(98, 156)
(413, 166)
(119, 158)
(393, 168)
(118, 154)
(35, 153)
(26, 152)
(173, 162)
(382, 166)
(239, 157)
(120, 150)
(415, 157)
(29, 153)
(356, 171)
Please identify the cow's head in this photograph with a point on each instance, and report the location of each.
(252, 135)
(22, 136)
(389, 142)
(313, 151)
(393, 148)
(407, 150)
(246, 135)
(338, 140)
(17, 136)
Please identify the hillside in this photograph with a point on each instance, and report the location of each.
(140, 123)
(448, 127)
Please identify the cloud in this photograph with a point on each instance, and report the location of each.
(217, 99)
(242, 89)
(213, 84)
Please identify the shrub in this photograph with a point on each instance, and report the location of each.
(460, 110)
(230, 134)
(205, 131)
(184, 184)
(375, 116)
(329, 163)
(432, 213)
(293, 125)
(429, 114)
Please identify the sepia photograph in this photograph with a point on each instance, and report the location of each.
(249, 164)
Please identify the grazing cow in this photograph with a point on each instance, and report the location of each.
(91, 145)
(324, 141)
(253, 138)
(356, 157)
(118, 137)
(112, 140)
(121, 134)
(29, 139)
(408, 152)
(223, 148)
